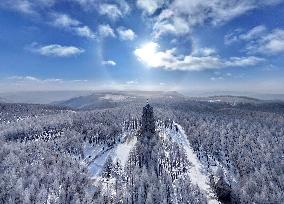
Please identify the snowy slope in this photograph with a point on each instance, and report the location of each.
(97, 155)
(96, 166)
(197, 176)
(121, 152)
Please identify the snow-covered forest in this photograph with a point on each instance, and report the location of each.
(191, 152)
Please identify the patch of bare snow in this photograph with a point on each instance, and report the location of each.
(122, 150)
(96, 166)
(96, 156)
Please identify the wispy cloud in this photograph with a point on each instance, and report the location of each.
(56, 50)
(64, 21)
(109, 62)
(41, 80)
(131, 82)
(126, 34)
(150, 6)
(45, 10)
(20, 6)
(22, 78)
(220, 76)
(180, 16)
(238, 34)
(216, 78)
(33, 79)
(168, 23)
(34, 83)
(254, 33)
(106, 31)
(259, 40)
(271, 43)
(110, 10)
(30, 7)
(198, 60)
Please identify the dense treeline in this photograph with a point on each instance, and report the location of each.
(247, 144)
(44, 172)
(10, 112)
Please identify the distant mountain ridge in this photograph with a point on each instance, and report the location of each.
(40, 97)
(233, 100)
(108, 99)
(3, 100)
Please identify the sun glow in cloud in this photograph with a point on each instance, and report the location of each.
(150, 56)
(199, 59)
(146, 54)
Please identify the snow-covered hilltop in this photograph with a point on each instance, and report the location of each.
(161, 154)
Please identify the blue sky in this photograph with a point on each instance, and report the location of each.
(187, 45)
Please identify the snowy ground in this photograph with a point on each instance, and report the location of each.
(121, 152)
(97, 155)
(98, 159)
(197, 175)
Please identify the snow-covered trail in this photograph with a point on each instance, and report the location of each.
(195, 172)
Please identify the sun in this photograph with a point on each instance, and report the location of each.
(148, 54)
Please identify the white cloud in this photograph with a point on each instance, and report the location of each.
(20, 6)
(168, 23)
(124, 7)
(206, 51)
(242, 61)
(63, 21)
(220, 76)
(180, 16)
(259, 40)
(114, 10)
(254, 33)
(110, 10)
(30, 7)
(38, 7)
(168, 59)
(216, 78)
(85, 31)
(126, 34)
(269, 44)
(150, 6)
(106, 31)
(132, 82)
(56, 50)
(217, 11)
(33, 79)
(30, 78)
(33, 83)
(109, 62)
(238, 35)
